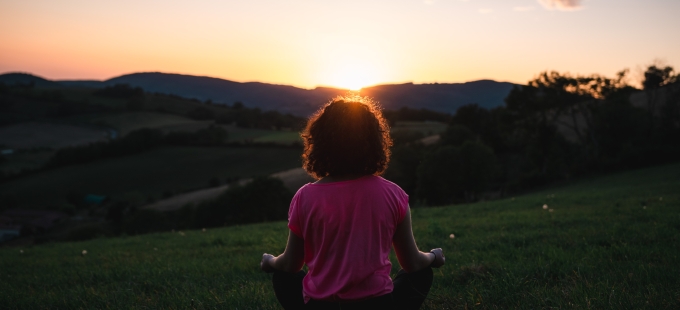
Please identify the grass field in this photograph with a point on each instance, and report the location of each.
(48, 135)
(151, 173)
(27, 159)
(130, 121)
(610, 243)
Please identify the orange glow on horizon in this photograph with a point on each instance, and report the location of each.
(349, 44)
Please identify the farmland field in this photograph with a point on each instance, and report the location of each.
(151, 173)
(610, 242)
(25, 160)
(50, 135)
(130, 121)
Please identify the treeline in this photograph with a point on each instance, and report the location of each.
(136, 142)
(555, 128)
(415, 115)
(58, 103)
(261, 200)
(120, 91)
(235, 114)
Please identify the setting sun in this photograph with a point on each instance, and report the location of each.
(353, 76)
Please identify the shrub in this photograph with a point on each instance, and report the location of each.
(264, 199)
(451, 174)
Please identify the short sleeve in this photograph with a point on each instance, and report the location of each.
(402, 198)
(294, 215)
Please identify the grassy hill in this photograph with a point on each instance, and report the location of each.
(609, 243)
(151, 173)
(37, 121)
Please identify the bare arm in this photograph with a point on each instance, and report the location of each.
(291, 260)
(410, 258)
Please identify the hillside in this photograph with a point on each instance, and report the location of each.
(606, 243)
(298, 101)
(27, 79)
(149, 174)
(440, 97)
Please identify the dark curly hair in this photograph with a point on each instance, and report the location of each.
(348, 135)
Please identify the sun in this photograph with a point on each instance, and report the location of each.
(353, 76)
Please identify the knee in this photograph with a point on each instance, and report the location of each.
(421, 277)
(287, 277)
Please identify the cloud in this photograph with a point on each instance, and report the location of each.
(562, 5)
(429, 1)
(485, 11)
(523, 8)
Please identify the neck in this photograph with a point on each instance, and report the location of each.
(338, 178)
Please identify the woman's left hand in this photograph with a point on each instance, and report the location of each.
(265, 264)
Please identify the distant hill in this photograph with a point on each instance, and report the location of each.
(441, 97)
(298, 101)
(17, 78)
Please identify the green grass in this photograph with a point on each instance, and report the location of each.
(27, 159)
(130, 121)
(611, 243)
(150, 173)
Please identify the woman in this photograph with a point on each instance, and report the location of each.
(344, 224)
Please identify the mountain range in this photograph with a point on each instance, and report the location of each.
(441, 97)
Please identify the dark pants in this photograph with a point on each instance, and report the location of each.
(410, 290)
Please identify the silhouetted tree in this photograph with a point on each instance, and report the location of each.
(450, 174)
(656, 77)
(403, 168)
(263, 199)
(456, 135)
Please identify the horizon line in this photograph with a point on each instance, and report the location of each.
(270, 83)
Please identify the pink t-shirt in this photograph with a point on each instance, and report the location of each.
(347, 227)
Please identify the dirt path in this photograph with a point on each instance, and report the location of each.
(293, 179)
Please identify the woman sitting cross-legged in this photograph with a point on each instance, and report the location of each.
(344, 224)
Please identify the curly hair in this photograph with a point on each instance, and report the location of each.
(348, 135)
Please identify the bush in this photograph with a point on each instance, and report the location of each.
(456, 135)
(451, 173)
(264, 199)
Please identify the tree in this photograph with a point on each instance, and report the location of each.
(656, 77)
(263, 199)
(403, 168)
(561, 99)
(451, 174)
(456, 135)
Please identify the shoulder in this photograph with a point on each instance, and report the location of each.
(301, 191)
(386, 186)
(386, 183)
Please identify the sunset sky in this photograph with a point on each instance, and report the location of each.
(347, 43)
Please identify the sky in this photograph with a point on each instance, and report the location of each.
(348, 43)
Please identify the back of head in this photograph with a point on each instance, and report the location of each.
(346, 136)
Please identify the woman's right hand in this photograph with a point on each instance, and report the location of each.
(439, 258)
(265, 264)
